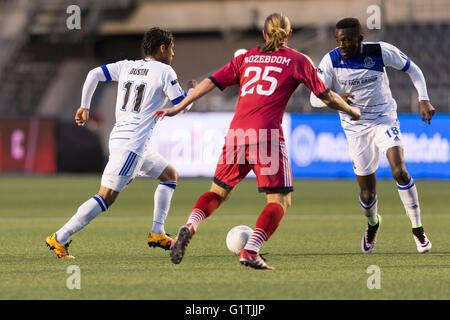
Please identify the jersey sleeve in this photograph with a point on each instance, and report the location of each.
(306, 73)
(393, 57)
(111, 71)
(172, 87)
(229, 74)
(325, 71)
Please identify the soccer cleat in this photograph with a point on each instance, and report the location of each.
(161, 240)
(59, 249)
(181, 242)
(253, 260)
(422, 243)
(370, 237)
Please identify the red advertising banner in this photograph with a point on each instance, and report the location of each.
(27, 145)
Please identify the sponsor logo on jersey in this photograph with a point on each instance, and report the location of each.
(356, 82)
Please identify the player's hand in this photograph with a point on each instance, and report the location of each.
(81, 116)
(348, 97)
(169, 112)
(355, 113)
(191, 84)
(427, 111)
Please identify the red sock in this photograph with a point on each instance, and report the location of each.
(204, 207)
(267, 223)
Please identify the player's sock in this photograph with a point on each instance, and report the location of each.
(203, 208)
(267, 223)
(85, 213)
(370, 210)
(410, 198)
(163, 196)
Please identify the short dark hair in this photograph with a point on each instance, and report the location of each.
(347, 23)
(154, 38)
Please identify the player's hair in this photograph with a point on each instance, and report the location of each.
(348, 23)
(154, 38)
(277, 26)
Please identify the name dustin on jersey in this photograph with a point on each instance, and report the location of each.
(139, 72)
(267, 59)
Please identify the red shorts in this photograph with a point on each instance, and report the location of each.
(269, 162)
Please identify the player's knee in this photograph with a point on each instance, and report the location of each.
(367, 196)
(169, 174)
(108, 195)
(400, 175)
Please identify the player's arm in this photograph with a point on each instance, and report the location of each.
(314, 80)
(89, 86)
(334, 101)
(427, 111)
(199, 91)
(109, 72)
(393, 57)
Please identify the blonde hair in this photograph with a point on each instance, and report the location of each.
(277, 27)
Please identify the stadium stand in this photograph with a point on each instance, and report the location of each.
(38, 49)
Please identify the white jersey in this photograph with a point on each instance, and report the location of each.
(365, 77)
(144, 86)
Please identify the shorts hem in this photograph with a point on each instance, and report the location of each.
(222, 184)
(270, 190)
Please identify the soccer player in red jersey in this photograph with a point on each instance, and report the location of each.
(267, 77)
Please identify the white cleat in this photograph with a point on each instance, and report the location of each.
(422, 243)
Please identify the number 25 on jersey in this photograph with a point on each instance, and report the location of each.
(258, 75)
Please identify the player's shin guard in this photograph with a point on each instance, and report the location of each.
(410, 198)
(203, 208)
(85, 214)
(370, 210)
(267, 223)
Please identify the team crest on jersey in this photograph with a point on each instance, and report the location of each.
(368, 62)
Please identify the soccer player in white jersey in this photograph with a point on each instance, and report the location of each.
(144, 86)
(356, 70)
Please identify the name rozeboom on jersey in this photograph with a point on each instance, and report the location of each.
(267, 59)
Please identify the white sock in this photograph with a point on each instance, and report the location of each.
(85, 213)
(410, 198)
(370, 210)
(163, 196)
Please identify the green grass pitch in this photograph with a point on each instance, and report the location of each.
(316, 249)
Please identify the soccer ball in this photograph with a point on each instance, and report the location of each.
(237, 237)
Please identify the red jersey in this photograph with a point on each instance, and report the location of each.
(266, 81)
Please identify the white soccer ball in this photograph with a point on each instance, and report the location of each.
(237, 238)
(239, 52)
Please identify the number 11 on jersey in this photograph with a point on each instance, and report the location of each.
(139, 90)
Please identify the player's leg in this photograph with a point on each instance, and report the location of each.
(268, 221)
(407, 191)
(365, 158)
(227, 175)
(155, 166)
(205, 205)
(274, 177)
(117, 174)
